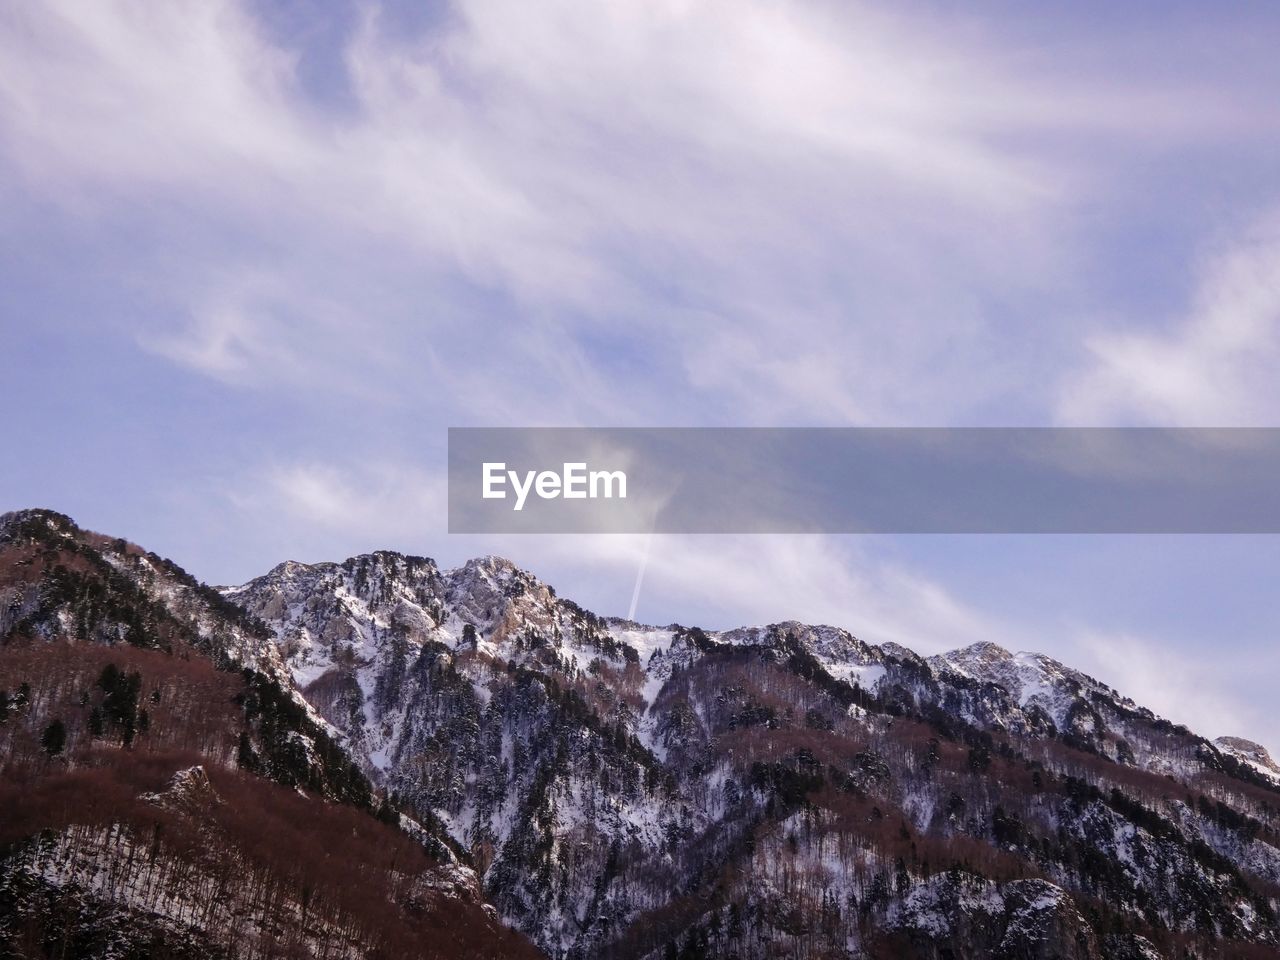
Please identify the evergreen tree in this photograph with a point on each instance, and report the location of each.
(245, 757)
(54, 738)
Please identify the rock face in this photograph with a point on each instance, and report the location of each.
(189, 791)
(787, 790)
(967, 916)
(1253, 754)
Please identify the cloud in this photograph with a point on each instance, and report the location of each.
(376, 502)
(533, 193)
(1213, 367)
(221, 342)
(118, 96)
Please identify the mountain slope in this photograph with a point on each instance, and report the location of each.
(350, 759)
(631, 791)
(166, 791)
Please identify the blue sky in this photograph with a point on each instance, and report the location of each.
(256, 259)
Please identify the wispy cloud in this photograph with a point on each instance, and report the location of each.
(378, 502)
(1213, 367)
(688, 181)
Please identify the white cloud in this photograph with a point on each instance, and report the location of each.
(378, 503)
(688, 180)
(120, 95)
(814, 579)
(220, 342)
(1214, 367)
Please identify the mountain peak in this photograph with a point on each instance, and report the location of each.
(36, 517)
(976, 660)
(1254, 754)
(986, 649)
(502, 723)
(492, 564)
(290, 568)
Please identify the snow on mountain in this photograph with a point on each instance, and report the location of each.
(1253, 754)
(840, 652)
(621, 790)
(612, 789)
(1033, 680)
(599, 772)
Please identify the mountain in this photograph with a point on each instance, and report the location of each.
(383, 758)
(787, 790)
(168, 792)
(1253, 755)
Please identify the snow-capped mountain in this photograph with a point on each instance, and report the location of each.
(380, 757)
(782, 790)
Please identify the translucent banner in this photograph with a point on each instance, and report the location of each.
(864, 480)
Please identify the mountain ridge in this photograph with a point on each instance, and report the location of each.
(617, 790)
(645, 683)
(964, 660)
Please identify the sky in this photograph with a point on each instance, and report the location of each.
(257, 257)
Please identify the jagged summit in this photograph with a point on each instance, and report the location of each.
(282, 570)
(489, 567)
(497, 599)
(492, 563)
(982, 649)
(465, 693)
(629, 791)
(1255, 750)
(391, 559)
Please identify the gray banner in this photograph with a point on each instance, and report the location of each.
(864, 480)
